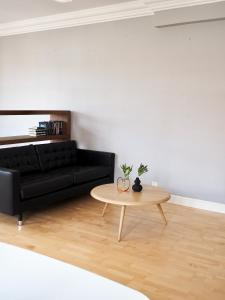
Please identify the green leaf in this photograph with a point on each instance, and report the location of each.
(142, 169)
(126, 170)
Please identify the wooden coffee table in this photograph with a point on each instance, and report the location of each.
(109, 194)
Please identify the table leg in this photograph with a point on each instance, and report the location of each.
(123, 208)
(104, 209)
(162, 213)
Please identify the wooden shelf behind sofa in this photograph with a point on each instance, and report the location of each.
(8, 140)
(55, 115)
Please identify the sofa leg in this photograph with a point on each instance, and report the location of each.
(20, 220)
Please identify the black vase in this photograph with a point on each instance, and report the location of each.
(137, 187)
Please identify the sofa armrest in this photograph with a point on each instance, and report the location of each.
(10, 191)
(91, 157)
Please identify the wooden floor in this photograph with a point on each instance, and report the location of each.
(183, 260)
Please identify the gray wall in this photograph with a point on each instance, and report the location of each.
(152, 95)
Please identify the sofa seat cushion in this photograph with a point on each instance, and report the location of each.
(40, 184)
(84, 174)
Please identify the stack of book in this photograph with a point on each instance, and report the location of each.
(48, 128)
(37, 131)
(53, 127)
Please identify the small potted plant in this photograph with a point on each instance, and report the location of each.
(137, 187)
(123, 183)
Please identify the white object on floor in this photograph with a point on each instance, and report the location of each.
(26, 275)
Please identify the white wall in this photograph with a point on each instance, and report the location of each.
(151, 95)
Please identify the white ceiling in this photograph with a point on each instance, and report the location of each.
(14, 10)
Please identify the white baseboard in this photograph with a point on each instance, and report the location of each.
(197, 203)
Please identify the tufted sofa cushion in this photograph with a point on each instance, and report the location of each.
(57, 155)
(23, 159)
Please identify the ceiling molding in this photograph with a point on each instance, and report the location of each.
(159, 5)
(125, 10)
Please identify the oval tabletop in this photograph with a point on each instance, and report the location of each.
(109, 193)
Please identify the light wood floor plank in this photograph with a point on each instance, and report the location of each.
(183, 260)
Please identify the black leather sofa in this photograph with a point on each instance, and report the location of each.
(38, 175)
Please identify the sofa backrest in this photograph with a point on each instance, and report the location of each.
(23, 159)
(56, 155)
